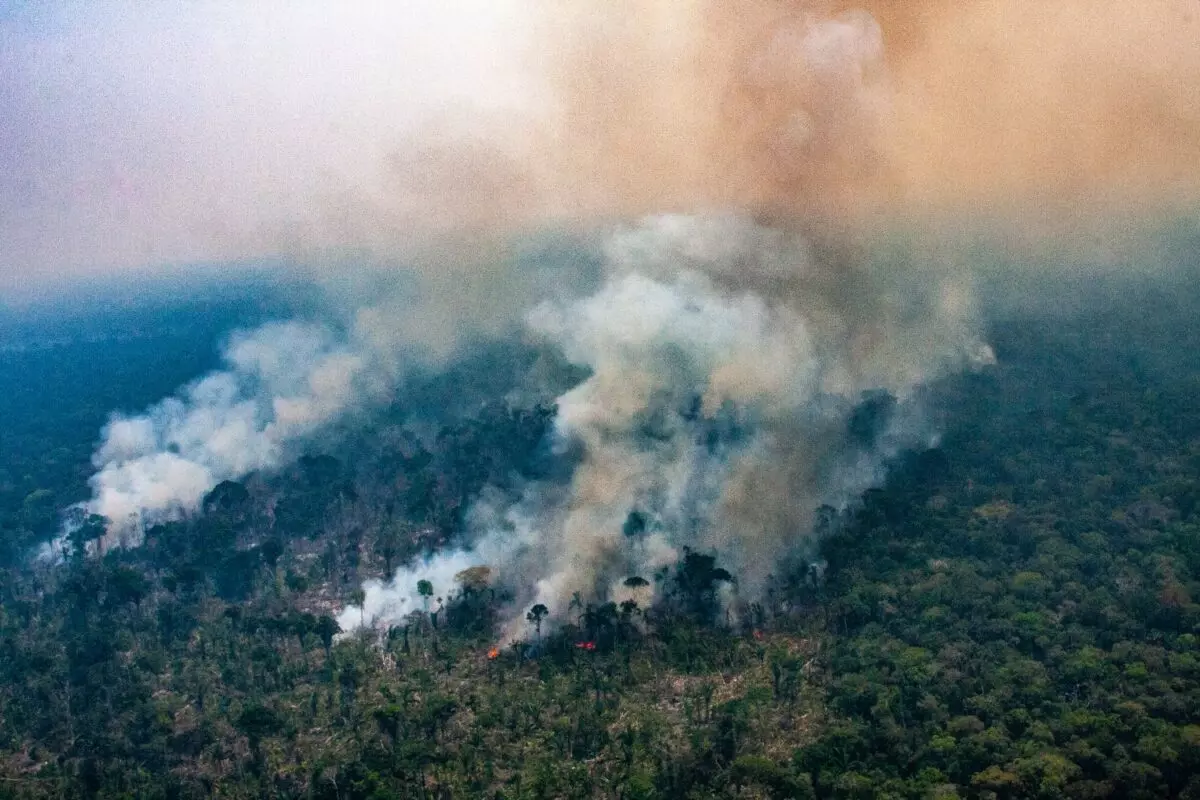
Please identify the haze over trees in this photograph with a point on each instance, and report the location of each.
(1012, 614)
(656, 400)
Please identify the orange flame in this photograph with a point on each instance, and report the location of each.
(494, 652)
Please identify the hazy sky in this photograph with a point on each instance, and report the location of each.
(135, 133)
(152, 133)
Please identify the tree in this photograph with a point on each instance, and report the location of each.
(91, 529)
(425, 589)
(536, 614)
(388, 542)
(270, 551)
(257, 722)
(359, 598)
(327, 627)
(696, 578)
(474, 579)
(127, 585)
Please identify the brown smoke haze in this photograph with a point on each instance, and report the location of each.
(242, 131)
(1060, 102)
(824, 124)
(730, 335)
(1064, 125)
(1002, 109)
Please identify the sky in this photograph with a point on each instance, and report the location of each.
(137, 134)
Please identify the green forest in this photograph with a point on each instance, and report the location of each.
(1011, 614)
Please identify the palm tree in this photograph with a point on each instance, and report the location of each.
(536, 615)
(576, 603)
(425, 589)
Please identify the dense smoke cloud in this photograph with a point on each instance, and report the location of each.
(231, 130)
(282, 383)
(726, 360)
(766, 146)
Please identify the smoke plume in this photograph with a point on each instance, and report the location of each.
(726, 360)
(219, 131)
(282, 382)
(738, 329)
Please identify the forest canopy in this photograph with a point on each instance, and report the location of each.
(1012, 613)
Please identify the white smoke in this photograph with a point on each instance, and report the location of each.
(392, 602)
(507, 533)
(282, 383)
(713, 409)
(726, 355)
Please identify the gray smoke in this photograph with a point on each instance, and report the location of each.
(726, 353)
(725, 360)
(282, 383)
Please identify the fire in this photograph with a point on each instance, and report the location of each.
(494, 652)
